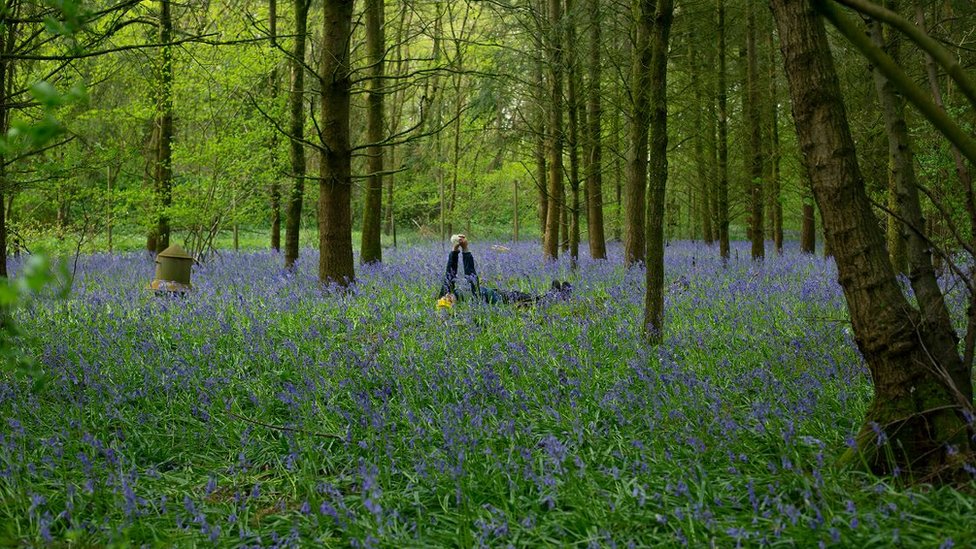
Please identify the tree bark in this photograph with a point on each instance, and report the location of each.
(335, 183)
(555, 204)
(921, 273)
(773, 185)
(370, 247)
(164, 121)
(916, 408)
(6, 45)
(701, 165)
(658, 24)
(273, 145)
(573, 112)
(897, 232)
(751, 111)
(966, 183)
(634, 230)
(594, 146)
(722, 215)
(808, 231)
(540, 154)
(296, 131)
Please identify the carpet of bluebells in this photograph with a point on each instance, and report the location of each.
(264, 410)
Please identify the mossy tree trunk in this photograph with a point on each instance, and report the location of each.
(164, 123)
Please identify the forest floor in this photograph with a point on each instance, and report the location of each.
(260, 409)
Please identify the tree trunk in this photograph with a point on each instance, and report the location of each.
(915, 409)
(402, 65)
(370, 247)
(750, 109)
(921, 273)
(273, 145)
(897, 232)
(808, 231)
(594, 147)
(634, 230)
(296, 131)
(335, 183)
(555, 204)
(773, 186)
(540, 154)
(164, 121)
(658, 25)
(5, 72)
(722, 215)
(573, 111)
(701, 165)
(966, 183)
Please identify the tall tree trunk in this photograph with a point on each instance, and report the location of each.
(402, 66)
(722, 215)
(6, 72)
(437, 103)
(634, 230)
(540, 153)
(594, 147)
(966, 183)
(296, 131)
(149, 182)
(916, 407)
(573, 111)
(773, 185)
(370, 248)
(164, 121)
(701, 164)
(921, 273)
(273, 145)
(618, 176)
(711, 150)
(335, 183)
(751, 111)
(555, 204)
(455, 144)
(658, 25)
(897, 231)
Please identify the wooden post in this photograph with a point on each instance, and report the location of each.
(515, 227)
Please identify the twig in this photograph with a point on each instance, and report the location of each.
(283, 427)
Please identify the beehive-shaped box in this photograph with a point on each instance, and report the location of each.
(173, 264)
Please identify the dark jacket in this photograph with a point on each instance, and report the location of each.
(488, 295)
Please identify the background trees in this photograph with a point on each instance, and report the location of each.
(467, 96)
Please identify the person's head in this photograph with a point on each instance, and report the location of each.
(446, 301)
(458, 240)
